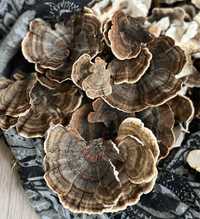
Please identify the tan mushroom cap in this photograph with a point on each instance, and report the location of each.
(135, 127)
(80, 172)
(140, 165)
(93, 78)
(47, 47)
(161, 121)
(193, 159)
(64, 99)
(130, 70)
(127, 35)
(157, 85)
(14, 95)
(183, 109)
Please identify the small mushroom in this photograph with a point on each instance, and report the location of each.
(93, 78)
(14, 95)
(157, 85)
(127, 35)
(130, 70)
(193, 159)
(80, 172)
(183, 110)
(161, 121)
(45, 46)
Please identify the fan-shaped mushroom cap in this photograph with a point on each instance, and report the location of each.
(45, 46)
(140, 165)
(127, 36)
(193, 159)
(160, 120)
(134, 127)
(183, 109)
(157, 85)
(130, 70)
(93, 78)
(64, 99)
(81, 172)
(48, 106)
(14, 95)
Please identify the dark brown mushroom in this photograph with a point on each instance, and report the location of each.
(157, 85)
(127, 36)
(130, 70)
(81, 172)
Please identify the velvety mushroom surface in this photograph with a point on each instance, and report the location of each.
(100, 175)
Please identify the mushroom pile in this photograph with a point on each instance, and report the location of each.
(107, 98)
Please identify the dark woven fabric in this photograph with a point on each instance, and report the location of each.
(177, 191)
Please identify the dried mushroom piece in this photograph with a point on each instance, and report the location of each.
(183, 110)
(45, 46)
(193, 159)
(93, 78)
(14, 95)
(127, 36)
(81, 172)
(130, 70)
(160, 120)
(157, 85)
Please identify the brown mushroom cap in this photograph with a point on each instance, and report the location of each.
(130, 70)
(161, 121)
(33, 124)
(48, 106)
(183, 109)
(93, 78)
(139, 161)
(80, 172)
(45, 46)
(157, 85)
(127, 35)
(134, 127)
(14, 95)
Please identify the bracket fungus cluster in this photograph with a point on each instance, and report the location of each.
(107, 95)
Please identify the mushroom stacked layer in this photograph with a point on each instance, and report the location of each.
(106, 98)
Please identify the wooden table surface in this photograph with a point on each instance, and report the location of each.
(13, 203)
